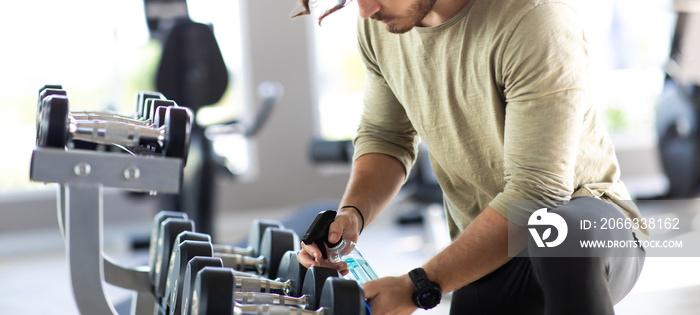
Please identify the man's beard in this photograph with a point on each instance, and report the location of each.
(417, 13)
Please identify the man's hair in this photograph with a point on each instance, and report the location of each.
(307, 8)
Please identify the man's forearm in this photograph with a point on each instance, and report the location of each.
(480, 249)
(375, 180)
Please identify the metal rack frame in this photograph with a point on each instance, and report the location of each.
(81, 176)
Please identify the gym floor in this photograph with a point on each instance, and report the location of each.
(35, 279)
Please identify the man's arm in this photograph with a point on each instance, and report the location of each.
(480, 249)
(374, 181)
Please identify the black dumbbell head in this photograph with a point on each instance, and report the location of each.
(53, 130)
(193, 267)
(51, 90)
(153, 109)
(50, 86)
(291, 269)
(169, 230)
(192, 236)
(213, 292)
(160, 110)
(178, 126)
(255, 234)
(141, 98)
(155, 231)
(313, 284)
(45, 91)
(159, 117)
(182, 254)
(275, 243)
(343, 297)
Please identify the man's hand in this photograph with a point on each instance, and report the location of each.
(310, 255)
(390, 295)
(374, 180)
(347, 223)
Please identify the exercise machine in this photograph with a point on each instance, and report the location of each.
(192, 72)
(678, 109)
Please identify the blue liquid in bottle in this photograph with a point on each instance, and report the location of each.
(359, 269)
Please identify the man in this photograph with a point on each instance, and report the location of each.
(498, 91)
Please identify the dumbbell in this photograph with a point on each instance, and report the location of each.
(310, 287)
(167, 232)
(291, 269)
(255, 235)
(47, 90)
(172, 231)
(172, 301)
(148, 107)
(158, 219)
(52, 122)
(213, 290)
(82, 117)
(275, 244)
(142, 97)
(147, 104)
(156, 110)
(163, 237)
(57, 128)
(297, 290)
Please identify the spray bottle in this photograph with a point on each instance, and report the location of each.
(343, 250)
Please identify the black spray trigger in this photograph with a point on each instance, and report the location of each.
(318, 231)
(322, 248)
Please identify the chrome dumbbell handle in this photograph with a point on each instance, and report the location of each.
(243, 263)
(110, 117)
(113, 132)
(262, 285)
(271, 298)
(228, 249)
(246, 274)
(275, 310)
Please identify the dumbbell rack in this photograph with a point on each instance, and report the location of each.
(81, 176)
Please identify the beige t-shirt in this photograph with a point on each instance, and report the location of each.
(500, 95)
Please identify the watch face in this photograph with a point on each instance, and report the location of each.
(429, 297)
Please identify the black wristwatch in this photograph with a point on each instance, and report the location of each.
(426, 294)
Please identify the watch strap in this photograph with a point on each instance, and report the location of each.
(418, 277)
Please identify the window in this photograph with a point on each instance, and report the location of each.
(628, 54)
(99, 51)
(340, 74)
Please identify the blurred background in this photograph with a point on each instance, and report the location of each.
(104, 52)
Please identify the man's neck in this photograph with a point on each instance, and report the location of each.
(443, 11)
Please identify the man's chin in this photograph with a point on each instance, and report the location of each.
(397, 28)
